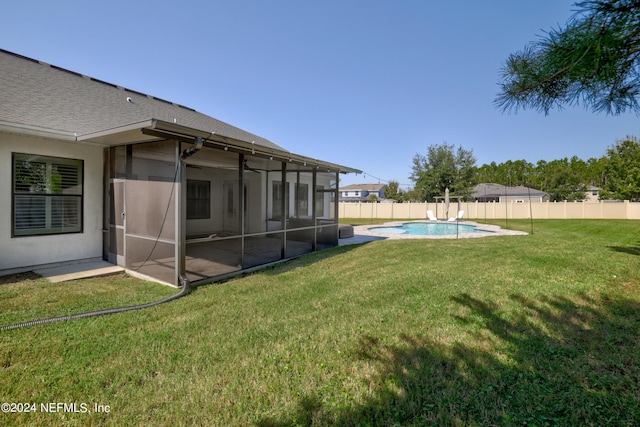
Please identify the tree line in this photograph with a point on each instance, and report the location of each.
(594, 60)
(616, 174)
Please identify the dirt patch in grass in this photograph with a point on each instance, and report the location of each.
(29, 276)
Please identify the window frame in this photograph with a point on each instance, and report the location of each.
(319, 196)
(302, 200)
(201, 186)
(279, 191)
(47, 196)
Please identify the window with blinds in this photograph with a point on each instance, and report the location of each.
(198, 199)
(47, 195)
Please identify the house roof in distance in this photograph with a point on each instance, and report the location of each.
(362, 187)
(499, 190)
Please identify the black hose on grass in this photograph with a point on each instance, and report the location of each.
(186, 288)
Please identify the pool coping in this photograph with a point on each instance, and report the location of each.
(490, 230)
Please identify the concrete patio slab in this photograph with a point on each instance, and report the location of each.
(78, 271)
(359, 238)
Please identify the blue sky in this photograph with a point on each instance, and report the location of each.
(367, 84)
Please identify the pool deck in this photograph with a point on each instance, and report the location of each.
(364, 233)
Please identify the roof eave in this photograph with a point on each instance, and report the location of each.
(246, 146)
(22, 129)
(121, 135)
(135, 132)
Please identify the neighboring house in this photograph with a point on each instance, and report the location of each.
(592, 193)
(501, 193)
(91, 170)
(361, 192)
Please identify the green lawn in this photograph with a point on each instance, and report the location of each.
(517, 330)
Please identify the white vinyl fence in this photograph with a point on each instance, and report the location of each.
(477, 210)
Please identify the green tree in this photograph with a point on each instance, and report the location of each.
(412, 195)
(392, 191)
(443, 167)
(511, 173)
(487, 173)
(562, 180)
(593, 60)
(622, 168)
(596, 174)
(517, 172)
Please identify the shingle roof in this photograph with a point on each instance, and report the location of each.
(498, 190)
(36, 94)
(365, 187)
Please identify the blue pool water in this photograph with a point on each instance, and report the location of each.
(428, 229)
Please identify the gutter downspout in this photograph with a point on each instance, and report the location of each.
(181, 210)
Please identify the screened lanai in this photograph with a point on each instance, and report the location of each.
(182, 207)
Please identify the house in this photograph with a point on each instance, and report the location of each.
(593, 194)
(92, 170)
(361, 192)
(502, 193)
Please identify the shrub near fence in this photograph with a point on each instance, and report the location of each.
(477, 210)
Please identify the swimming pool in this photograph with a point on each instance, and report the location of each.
(428, 229)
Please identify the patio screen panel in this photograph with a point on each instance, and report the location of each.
(150, 210)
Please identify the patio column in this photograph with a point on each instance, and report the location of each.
(337, 209)
(241, 207)
(181, 216)
(283, 209)
(314, 216)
